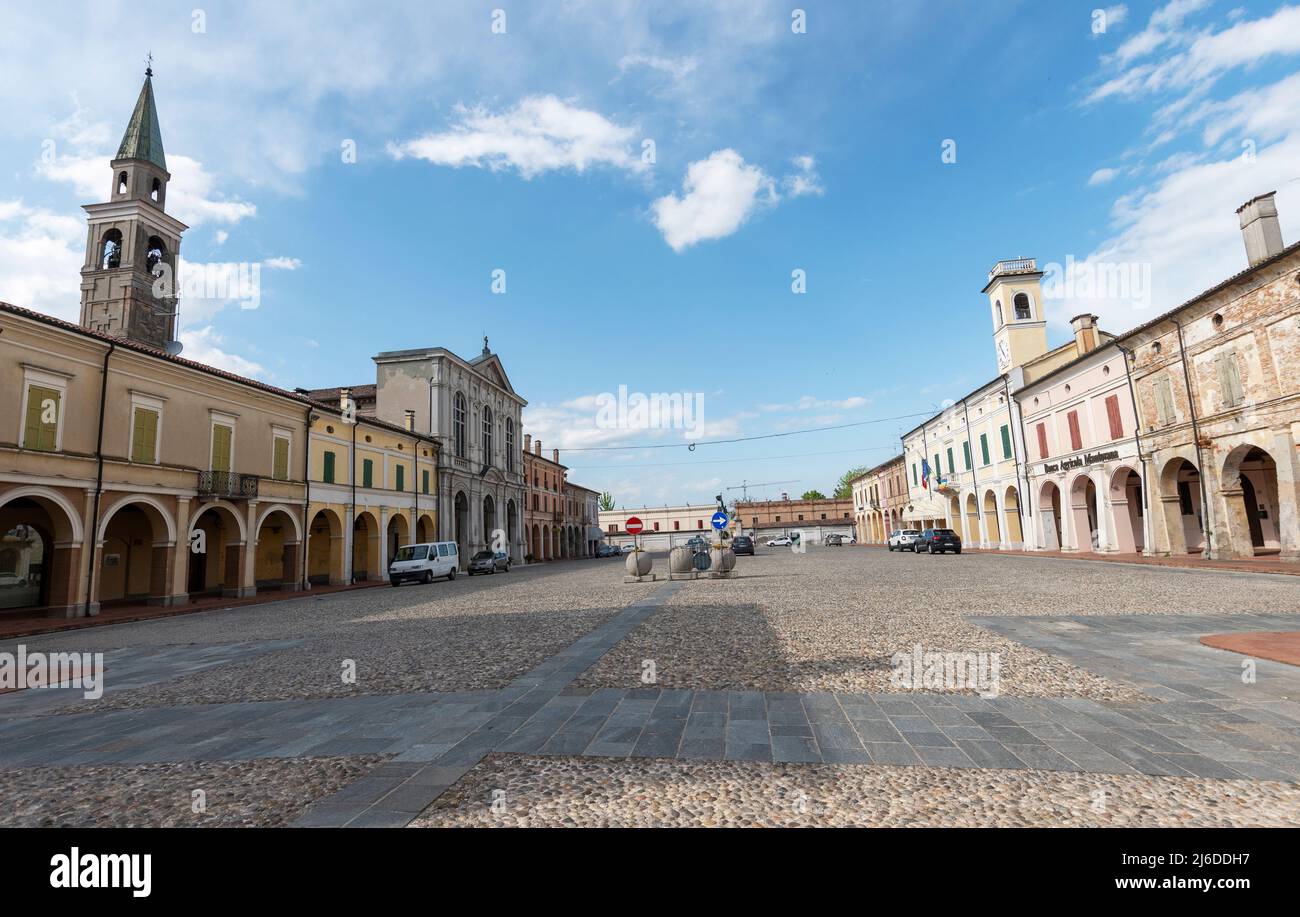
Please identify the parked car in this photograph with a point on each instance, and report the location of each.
(834, 541)
(607, 550)
(938, 541)
(781, 541)
(742, 544)
(628, 548)
(424, 562)
(489, 562)
(903, 539)
(697, 543)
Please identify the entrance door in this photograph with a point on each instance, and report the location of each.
(1252, 512)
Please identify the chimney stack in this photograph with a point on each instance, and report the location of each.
(555, 456)
(345, 398)
(410, 421)
(1086, 336)
(1260, 228)
(528, 442)
(537, 447)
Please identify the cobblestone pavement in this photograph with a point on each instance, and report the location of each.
(1179, 730)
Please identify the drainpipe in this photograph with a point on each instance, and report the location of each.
(1206, 528)
(1021, 487)
(437, 472)
(306, 502)
(1137, 443)
(99, 482)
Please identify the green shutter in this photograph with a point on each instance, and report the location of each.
(424, 481)
(281, 470)
(42, 426)
(1006, 441)
(367, 473)
(938, 466)
(329, 468)
(965, 453)
(952, 466)
(914, 480)
(221, 447)
(984, 447)
(144, 436)
(401, 477)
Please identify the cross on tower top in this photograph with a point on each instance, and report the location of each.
(148, 64)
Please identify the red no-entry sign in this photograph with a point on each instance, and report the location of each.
(633, 526)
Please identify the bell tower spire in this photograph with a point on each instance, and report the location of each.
(129, 283)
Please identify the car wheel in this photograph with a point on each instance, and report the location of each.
(427, 578)
(956, 550)
(451, 574)
(394, 581)
(931, 550)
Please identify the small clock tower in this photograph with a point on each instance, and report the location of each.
(1016, 299)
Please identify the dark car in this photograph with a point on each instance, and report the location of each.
(489, 562)
(742, 544)
(607, 550)
(835, 541)
(938, 541)
(697, 544)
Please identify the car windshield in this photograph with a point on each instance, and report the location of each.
(482, 555)
(412, 552)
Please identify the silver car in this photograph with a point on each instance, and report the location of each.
(904, 539)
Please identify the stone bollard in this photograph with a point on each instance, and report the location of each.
(681, 559)
(638, 563)
(721, 558)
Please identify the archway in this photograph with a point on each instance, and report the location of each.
(40, 552)
(958, 523)
(546, 543)
(535, 544)
(1126, 510)
(489, 522)
(325, 549)
(277, 552)
(365, 548)
(1250, 494)
(1180, 496)
(1084, 515)
(424, 529)
(460, 532)
(972, 522)
(136, 553)
(399, 533)
(1011, 518)
(1049, 514)
(991, 523)
(216, 552)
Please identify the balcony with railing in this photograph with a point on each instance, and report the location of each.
(1014, 266)
(228, 485)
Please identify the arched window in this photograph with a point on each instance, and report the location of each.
(487, 435)
(458, 424)
(156, 255)
(510, 444)
(1022, 307)
(110, 253)
(122, 184)
(155, 192)
(1001, 319)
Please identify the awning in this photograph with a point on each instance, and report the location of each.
(594, 533)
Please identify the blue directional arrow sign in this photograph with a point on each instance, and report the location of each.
(719, 520)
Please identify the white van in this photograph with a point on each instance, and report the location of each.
(424, 562)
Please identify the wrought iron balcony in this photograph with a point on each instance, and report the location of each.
(228, 484)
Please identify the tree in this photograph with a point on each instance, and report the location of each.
(844, 489)
(606, 502)
(813, 495)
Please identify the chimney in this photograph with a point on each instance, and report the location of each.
(555, 456)
(1260, 228)
(537, 447)
(410, 421)
(1086, 336)
(345, 398)
(528, 442)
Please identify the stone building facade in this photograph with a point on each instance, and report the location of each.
(879, 499)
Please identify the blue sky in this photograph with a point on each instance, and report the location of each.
(774, 151)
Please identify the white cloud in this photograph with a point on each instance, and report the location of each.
(804, 180)
(1101, 177)
(1116, 15)
(204, 345)
(676, 67)
(811, 403)
(220, 237)
(282, 264)
(719, 194)
(41, 254)
(540, 134)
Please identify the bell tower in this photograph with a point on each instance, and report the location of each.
(1016, 298)
(129, 283)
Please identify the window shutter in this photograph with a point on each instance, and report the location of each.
(965, 453)
(952, 466)
(328, 469)
(1229, 378)
(401, 477)
(221, 448)
(1112, 415)
(144, 436)
(39, 433)
(367, 473)
(1164, 402)
(281, 469)
(424, 482)
(1042, 441)
(1006, 441)
(984, 447)
(1076, 438)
